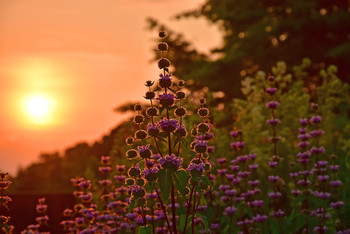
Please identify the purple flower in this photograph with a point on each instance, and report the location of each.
(302, 130)
(337, 205)
(253, 183)
(150, 174)
(334, 168)
(321, 164)
(144, 151)
(166, 99)
(272, 164)
(230, 192)
(304, 137)
(277, 214)
(252, 157)
(303, 122)
(293, 174)
(235, 133)
(231, 210)
(214, 226)
(296, 192)
(271, 91)
(316, 133)
(221, 160)
(222, 172)
(237, 145)
(272, 105)
(322, 178)
(335, 183)
(274, 195)
(196, 169)
(165, 81)
(243, 174)
(322, 195)
(168, 125)
(303, 182)
(170, 161)
(230, 177)
(257, 203)
(242, 158)
(223, 187)
(273, 122)
(315, 150)
(253, 167)
(234, 167)
(153, 129)
(200, 146)
(273, 179)
(85, 184)
(315, 119)
(258, 218)
(303, 144)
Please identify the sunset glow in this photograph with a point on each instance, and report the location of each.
(38, 109)
(37, 106)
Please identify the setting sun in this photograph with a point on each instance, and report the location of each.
(38, 106)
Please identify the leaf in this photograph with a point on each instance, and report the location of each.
(172, 90)
(205, 180)
(165, 178)
(181, 180)
(145, 229)
(205, 221)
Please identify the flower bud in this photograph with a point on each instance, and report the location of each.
(138, 107)
(271, 79)
(163, 63)
(203, 112)
(181, 83)
(130, 140)
(181, 111)
(138, 119)
(180, 95)
(149, 83)
(150, 95)
(203, 128)
(162, 46)
(129, 181)
(131, 154)
(162, 34)
(152, 111)
(140, 134)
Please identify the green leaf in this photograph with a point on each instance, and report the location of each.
(205, 221)
(181, 180)
(205, 180)
(165, 178)
(145, 229)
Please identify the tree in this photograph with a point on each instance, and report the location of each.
(257, 34)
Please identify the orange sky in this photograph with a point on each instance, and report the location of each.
(85, 57)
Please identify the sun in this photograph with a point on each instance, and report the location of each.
(37, 106)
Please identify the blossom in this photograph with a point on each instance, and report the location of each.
(271, 91)
(153, 129)
(144, 151)
(166, 99)
(272, 105)
(165, 80)
(200, 146)
(230, 210)
(315, 119)
(168, 125)
(150, 174)
(170, 161)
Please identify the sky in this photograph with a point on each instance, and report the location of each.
(65, 65)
